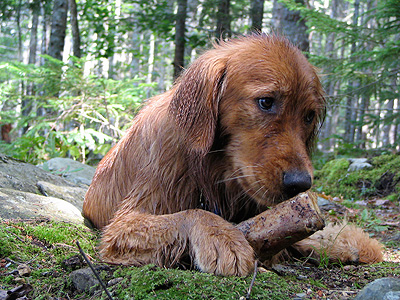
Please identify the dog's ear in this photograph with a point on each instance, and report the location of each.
(195, 101)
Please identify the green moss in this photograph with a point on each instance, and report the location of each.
(40, 245)
(382, 180)
(43, 245)
(150, 282)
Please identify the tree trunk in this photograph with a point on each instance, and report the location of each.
(150, 62)
(350, 103)
(19, 31)
(180, 27)
(223, 29)
(27, 102)
(257, 14)
(387, 125)
(290, 24)
(33, 38)
(58, 27)
(76, 38)
(45, 24)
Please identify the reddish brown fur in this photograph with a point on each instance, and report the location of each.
(341, 243)
(206, 144)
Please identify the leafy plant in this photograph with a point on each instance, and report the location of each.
(80, 116)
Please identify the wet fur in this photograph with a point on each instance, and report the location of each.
(204, 155)
(341, 243)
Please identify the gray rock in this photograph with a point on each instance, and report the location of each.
(358, 164)
(326, 205)
(27, 191)
(72, 194)
(84, 280)
(383, 288)
(392, 296)
(70, 169)
(21, 176)
(22, 205)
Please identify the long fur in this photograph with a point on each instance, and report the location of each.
(341, 243)
(204, 155)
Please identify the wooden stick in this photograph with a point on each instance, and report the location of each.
(283, 225)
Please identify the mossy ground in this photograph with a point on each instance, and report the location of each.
(45, 246)
(382, 180)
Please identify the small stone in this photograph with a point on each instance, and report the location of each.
(301, 295)
(84, 280)
(24, 270)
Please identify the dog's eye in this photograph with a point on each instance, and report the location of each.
(265, 103)
(310, 117)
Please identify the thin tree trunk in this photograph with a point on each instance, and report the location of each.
(44, 42)
(329, 81)
(387, 125)
(34, 29)
(28, 102)
(19, 31)
(151, 58)
(58, 28)
(350, 103)
(257, 14)
(223, 29)
(180, 28)
(396, 129)
(76, 38)
(291, 24)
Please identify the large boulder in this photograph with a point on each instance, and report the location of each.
(28, 191)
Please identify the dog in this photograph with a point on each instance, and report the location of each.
(232, 137)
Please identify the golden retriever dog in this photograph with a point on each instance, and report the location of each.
(232, 137)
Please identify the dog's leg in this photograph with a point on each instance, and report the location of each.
(216, 246)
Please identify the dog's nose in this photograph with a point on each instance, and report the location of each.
(295, 182)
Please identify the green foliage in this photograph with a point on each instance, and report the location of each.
(155, 15)
(99, 21)
(368, 220)
(78, 116)
(382, 180)
(361, 65)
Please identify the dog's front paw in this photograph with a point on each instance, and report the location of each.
(218, 247)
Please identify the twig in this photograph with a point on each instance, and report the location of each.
(94, 271)
(252, 280)
(16, 236)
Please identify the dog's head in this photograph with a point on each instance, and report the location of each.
(261, 95)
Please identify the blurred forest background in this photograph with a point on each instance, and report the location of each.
(73, 73)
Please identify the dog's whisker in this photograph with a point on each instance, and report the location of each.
(233, 178)
(216, 151)
(241, 169)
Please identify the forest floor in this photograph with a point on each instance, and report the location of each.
(49, 247)
(37, 257)
(381, 219)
